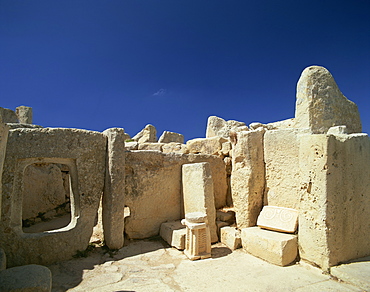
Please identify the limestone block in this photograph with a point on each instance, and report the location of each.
(27, 278)
(174, 234)
(114, 189)
(284, 124)
(24, 114)
(133, 145)
(337, 130)
(173, 147)
(275, 247)
(256, 125)
(13, 126)
(248, 177)
(281, 152)
(228, 216)
(219, 225)
(219, 127)
(150, 146)
(230, 236)
(8, 116)
(335, 198)
(211, 145)
(148, 134)
(320, 105)
(168, 137)
(197, 187)
(226, 148)
(278, 219)
(2, 260)
(83, 152)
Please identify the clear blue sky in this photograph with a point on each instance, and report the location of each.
(171, 63)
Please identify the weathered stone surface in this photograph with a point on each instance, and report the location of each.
(228, 216)
(256, 125)
(150, 146)
(8, 116)
(24, 114)
(13, 126)
(84, 154)
(219, 127)
(174, 234)
(197, 188)
(230, 236)
(211, 145)
(248, 177)
(281, 152)
(114, 189)
(320, 105)
(168, 137)
(4, 130)
(174, 148)
(154, 190)
(148, 134)
(275, 247)
(2, 260)
(335, 192)
(29, 278)
(337, 130)
(278, 219)
(226, 149)
(219, 225)
(133, 145)
(284, 124)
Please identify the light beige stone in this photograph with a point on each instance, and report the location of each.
(278, 219)
(133, 145)
(84, 154)
(29, 278)
(114, 189)
(24, 114)
(197, 188)
(230, 236)
(320, 105)
(148, 134)
(174, 234)
(275, 247)
(168, 137)
(173, 147)
(150, 146)
(211, 145)
(334, 198)
(337, 130)
(248, 177)
(256, 125)
(217, 126)
(284, 124)
(226, 149)
(8, 116)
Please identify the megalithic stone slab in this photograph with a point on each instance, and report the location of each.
(114, 189)
(197, 186)
(24, 114)
(278, 219)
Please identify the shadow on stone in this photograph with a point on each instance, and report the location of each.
(220, 251)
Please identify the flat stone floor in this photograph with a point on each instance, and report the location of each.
(151, 265)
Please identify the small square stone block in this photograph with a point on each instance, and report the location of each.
(274, 247)
(278, 219)
(174, 234)
(230, 236)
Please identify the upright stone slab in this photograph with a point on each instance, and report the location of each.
(148, 134)
(321, 105)
(24, 114)
(197, 187)
(217, 126)
(248, 177)
(114, 189)
(168, 137)
(278, 219)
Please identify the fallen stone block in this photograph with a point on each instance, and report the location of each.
(278, 219)
(211, 145)
(230, 236)
(174, 234)
(274, 247)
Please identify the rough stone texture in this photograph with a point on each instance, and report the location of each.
(284, 124)
(219, 127)
(337, 130)
(174, 234)
(248, 177)
(174, 148)
(13, 126)
(154, 190)
(148, 134)
(275, 247)
(114, 189)
(219, 225)
(43, 189)
(335, 204)
(228, 216)
(281, 151)
(29, 278)
(278, 219)
(211, 145)
(168, 137)
(226, 149)
(24, 114)
(8, 116)
(230, 236)
(197, 188)
(256, 125)
(2, 260)
(320, 105)
(4, 130)
(133, 145)
(84, 154)
(151, 146)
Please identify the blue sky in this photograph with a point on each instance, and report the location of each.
(171, 63)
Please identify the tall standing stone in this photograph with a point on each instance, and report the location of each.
(321, 105)
(114, 189)
(24, 114)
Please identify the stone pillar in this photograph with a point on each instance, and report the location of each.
(197, 186)
(24, 114)
(4, 129)
(198, 237)
(114, 189)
